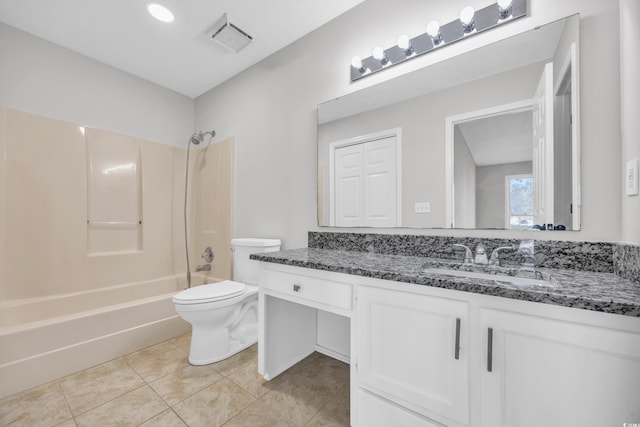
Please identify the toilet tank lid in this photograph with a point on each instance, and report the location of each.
(250, 241)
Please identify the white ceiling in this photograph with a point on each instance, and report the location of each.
(500, 139)
(177, 55)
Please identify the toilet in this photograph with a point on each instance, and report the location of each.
(224, 315)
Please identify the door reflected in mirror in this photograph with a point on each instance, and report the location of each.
(490, 138)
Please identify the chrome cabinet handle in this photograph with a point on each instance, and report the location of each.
(296, 287)
(490, 350)
(457, 347)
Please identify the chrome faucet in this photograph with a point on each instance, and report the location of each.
(203, 267)
(495, 256)
(468, 256)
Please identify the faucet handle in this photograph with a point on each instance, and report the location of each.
(207, 254)
(495, 256)
(468, 255)
(526, 247)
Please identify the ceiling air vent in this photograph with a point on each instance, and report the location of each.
(229, 35)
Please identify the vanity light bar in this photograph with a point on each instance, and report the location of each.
(469, 23)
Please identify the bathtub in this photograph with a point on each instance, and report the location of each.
(42, 339)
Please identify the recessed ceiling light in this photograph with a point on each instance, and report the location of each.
(160, 12)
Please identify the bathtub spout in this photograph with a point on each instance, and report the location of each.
(203, 267)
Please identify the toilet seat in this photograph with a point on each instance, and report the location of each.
(210, 293)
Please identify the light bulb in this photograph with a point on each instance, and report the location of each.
(504, 8)
(466, 17)
(378, 53)
(160, 12)
(356, 63)
(403, 42)
(433, 29)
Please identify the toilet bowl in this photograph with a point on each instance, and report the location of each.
(224, 319)
(224, 315)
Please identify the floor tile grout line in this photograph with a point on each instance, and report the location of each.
(188, 397)
(168, 408)
(163, 401)
(126, 362)
(66, 401)
(108, 401)
(179, 417)
(240, 411)
(251, 394)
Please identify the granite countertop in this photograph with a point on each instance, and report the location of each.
(604, 292)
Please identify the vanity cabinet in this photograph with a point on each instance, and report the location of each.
(413, 349)
(519, 364)
(541, 371)
(429, 357)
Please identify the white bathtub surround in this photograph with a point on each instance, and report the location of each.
(92, 242)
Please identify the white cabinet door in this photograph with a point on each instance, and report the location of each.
(413, 349)
(547, 372)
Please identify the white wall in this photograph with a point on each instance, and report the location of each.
(271, 109)
(40, 77)
(630, 101)
(464, 182)
(422, 122)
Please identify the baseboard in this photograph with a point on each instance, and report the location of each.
(331, 353)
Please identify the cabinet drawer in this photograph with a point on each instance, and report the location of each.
(315, 289)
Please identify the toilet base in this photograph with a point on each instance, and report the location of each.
(202, 355)
(224, 331)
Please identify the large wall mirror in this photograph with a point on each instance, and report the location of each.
(488, 139)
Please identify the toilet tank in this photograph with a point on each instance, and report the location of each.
(245, 270)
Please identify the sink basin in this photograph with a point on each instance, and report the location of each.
(521, 282)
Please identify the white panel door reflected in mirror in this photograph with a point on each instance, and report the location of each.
(364, 180)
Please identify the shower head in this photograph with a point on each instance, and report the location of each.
(197, 137)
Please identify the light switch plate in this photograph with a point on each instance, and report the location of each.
(631, 177)
(422, 207)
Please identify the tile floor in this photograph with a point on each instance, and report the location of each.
(157, 387)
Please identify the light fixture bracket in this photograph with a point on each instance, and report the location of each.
(484, 19)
